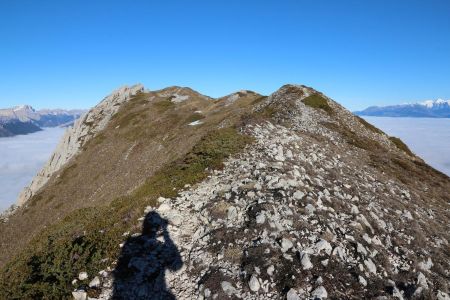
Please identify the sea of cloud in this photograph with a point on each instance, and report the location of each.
(428, 138)
(21, 157)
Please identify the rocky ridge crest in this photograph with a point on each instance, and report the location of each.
(299, 215)
(319, 205)
(75, 137)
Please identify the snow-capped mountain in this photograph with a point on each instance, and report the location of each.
(25, 119)
(427, 109)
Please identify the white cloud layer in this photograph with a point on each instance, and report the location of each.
(21, 157)
(426, 137)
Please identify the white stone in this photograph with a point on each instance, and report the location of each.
(232, 213)
(289, 154)
(79, 295)
(306, 262)
(422, 280)
(442, 296)
(94, 282)
(354, 210)
(367, 238)
(323, 245)
(360, 249)
(319, 293)
(83, 276)
(163, 208)
(407, 215)
(254, 283)
(309, 209)
(228, 288)
(175, 220)
(340, 253)
(286, 244)
(426, 265)
(260, 218)
(298, 195)
(292, 295)
(362, 280)
(270, 270)
(370, 266)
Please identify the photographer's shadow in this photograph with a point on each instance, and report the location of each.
(140, 271)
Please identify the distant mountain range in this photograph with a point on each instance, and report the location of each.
(427, 109)
(25, 119)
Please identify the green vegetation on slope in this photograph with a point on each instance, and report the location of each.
(88, 239)
(368, 125)
(400, 145)
(318, 101)
(353, 139)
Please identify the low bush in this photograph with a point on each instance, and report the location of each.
(319, 102)
(369, 126)
(400, 145)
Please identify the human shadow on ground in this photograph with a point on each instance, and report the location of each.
(142, 265)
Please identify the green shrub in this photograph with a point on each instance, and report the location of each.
(400, 145)
(163, 105)
(319, 102)
(369, 126)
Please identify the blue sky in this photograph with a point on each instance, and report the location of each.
(71, 54)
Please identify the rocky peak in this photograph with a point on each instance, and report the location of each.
(84, 129)
(179, 94)
(24, 107)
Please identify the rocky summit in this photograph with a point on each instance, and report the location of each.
(171, 194)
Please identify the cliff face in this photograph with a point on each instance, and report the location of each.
(75, 137)
(183, 196)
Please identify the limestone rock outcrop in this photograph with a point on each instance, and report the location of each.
(75, 137)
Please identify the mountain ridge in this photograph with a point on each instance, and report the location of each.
(24, 119)
(427, 109)
(264, 197)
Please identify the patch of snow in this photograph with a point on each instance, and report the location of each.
(198, 122)
(431, 103)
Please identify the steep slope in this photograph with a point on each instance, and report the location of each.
(310, 202)
(77, 136)
(427, 109)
